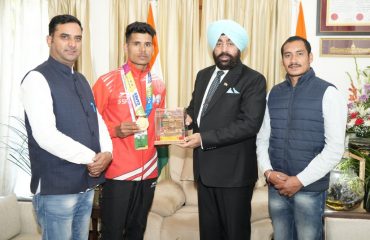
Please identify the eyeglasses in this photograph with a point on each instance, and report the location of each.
(141, 45)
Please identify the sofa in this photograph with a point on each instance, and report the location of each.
(17, 220)
(174, 212)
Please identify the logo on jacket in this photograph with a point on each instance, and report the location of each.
(122, 98)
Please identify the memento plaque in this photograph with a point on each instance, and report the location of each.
(169, 126)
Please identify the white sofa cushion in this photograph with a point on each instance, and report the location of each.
(260, 204)
(10, 221)
(184, 225)
(168, 198)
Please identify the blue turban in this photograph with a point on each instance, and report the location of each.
(231, 29)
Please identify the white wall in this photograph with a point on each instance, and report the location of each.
(331, 69)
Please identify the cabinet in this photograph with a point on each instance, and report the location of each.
(345, 225)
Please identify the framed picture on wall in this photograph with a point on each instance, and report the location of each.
(337, 17)
(345, 47)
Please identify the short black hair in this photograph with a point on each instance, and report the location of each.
(297, 38)
(62, 19)
(139, 27)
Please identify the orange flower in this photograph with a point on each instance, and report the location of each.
(353, 93)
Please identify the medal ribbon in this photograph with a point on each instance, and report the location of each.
(130, 88)
(135, 105)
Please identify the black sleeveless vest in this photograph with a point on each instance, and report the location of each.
(297, 126)
(75, 117)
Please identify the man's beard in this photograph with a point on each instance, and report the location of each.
(226, 65)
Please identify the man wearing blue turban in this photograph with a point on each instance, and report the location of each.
(225, 113)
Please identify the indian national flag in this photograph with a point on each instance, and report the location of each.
(301, 27)
(155, 62)
(156, 72)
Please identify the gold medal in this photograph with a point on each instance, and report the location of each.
(142, 123)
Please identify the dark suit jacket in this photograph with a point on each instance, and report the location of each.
(229, 127)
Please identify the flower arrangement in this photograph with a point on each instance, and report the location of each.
(359, 103)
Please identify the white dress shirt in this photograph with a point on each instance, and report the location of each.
(38, 104)
(335, 118)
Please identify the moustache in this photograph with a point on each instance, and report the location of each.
(225, 54)
(294, 65)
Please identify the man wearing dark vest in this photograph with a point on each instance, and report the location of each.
(226, 112)
(69, 144)
(300, 141)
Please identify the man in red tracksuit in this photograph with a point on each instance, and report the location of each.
(127, 99)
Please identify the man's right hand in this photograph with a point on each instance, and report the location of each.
(99, 164)
(126, 129)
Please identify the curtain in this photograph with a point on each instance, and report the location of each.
(267, 23)
(177, 26)
(183, 45)
(23, 46)
(179, 48)
(121, 14)
(79, 9)
(181, 28)
(179, 42)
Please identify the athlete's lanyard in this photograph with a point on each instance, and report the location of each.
(131, 89)
(135, 105)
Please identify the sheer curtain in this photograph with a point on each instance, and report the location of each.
(23, 46)
(177, 26)
(79, 9)
(183, 44)
(179, 47)
(182, 37)
(121, 14)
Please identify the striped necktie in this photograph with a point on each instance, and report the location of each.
(211, 91)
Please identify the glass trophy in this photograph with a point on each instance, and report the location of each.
(169, 126)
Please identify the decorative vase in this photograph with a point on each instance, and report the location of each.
(367, 196)
(346, 190)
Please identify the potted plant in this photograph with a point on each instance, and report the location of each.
(346, 189)
(16, 143)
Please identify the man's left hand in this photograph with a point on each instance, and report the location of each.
(191, 141)
(101, 162)
(289, 187)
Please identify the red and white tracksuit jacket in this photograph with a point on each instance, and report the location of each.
(111, 102)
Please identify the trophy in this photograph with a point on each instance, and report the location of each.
(169, 126)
